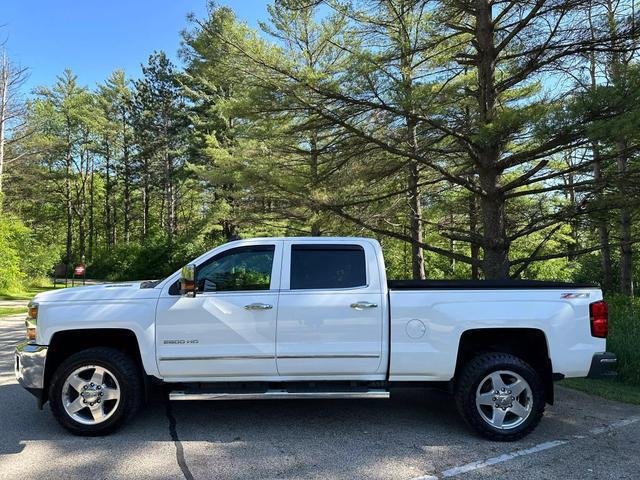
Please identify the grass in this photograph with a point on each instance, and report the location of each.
(609, 389)
(28, 293)
(12, 310)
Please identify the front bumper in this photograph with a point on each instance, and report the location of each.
(29, 367)
(602, 364)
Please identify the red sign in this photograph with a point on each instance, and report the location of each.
(79, 270)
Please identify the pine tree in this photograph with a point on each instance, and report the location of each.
(160, 125)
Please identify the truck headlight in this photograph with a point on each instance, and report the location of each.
(31, 321)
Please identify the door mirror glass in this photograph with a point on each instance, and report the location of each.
(188, 280)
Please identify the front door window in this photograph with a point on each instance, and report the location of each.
(239, 269)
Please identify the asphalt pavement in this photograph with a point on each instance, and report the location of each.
(413, 435)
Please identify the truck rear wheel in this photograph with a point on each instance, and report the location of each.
(94, 391)
(500, 396)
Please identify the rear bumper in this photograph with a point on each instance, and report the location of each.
(602, 365)
(29, 367)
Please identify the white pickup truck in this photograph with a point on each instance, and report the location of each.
(281, 318)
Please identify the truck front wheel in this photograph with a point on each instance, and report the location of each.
(94, 391)
(500, 396)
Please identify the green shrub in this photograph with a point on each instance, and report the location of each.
(24, 258)
(156, 258)
(12, 231)
(624, 336)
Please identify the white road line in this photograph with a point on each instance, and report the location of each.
(620, 423)
(469, 467)
(452, 472)
(7, 380)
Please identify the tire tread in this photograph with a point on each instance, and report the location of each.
(465, 389)
(130, 384)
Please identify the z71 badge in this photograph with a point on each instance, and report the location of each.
(574, 295)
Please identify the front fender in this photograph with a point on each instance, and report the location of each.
(137, 315)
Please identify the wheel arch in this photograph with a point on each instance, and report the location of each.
(65, 343)
(529, 344)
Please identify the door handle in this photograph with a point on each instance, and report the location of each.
(258, 306)
(363, 305)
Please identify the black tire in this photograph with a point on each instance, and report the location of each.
(123, 368)
(479, 368)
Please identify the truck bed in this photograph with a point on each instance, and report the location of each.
(506, 284)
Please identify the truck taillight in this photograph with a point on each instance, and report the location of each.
(599, 313)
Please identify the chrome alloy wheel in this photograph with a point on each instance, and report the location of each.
(91, 394)
(504, 399)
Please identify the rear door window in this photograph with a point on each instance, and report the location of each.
(327, 266)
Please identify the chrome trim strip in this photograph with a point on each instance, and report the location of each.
(254, 357)
(219, 357)
(277, 395)
(329, 355)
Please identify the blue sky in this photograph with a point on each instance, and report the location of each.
(94, 37)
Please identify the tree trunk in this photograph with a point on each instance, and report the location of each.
(126, 211)
(145, 199)
(315, 229)
(229, 230)
(573, 224)
(313, 167)
(494, 243)
(107, 200)
(495, 263)
(92, 230)
(114, 218)
(81, 227)
(452, 248)
(414, 200)
(126, 181)
(170, 200)
(415, 223)
(81, 200)
(69, 212)
(626, 260)
(167, 196)
(473, 228)
(4, 95)
(603, 231)
(618, 73)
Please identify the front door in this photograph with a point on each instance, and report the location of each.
(329, 313)
(229, 328)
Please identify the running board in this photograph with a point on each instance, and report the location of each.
(277, 395)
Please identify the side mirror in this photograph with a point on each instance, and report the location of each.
(188, 280)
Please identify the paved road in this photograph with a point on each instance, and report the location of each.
(13, 303)
(414, 435)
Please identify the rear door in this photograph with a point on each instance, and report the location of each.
(329, 312)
